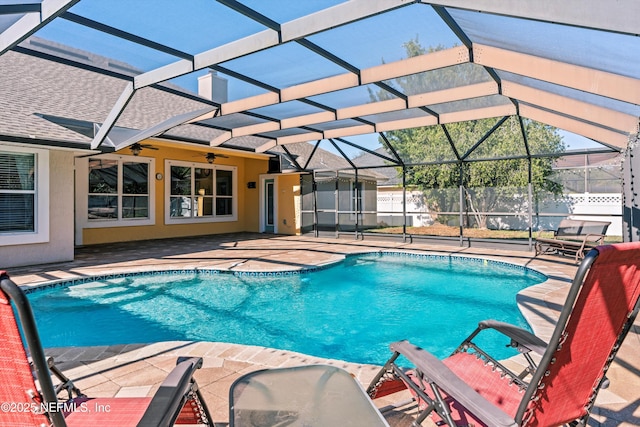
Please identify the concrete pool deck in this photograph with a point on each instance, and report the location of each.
(137, 370)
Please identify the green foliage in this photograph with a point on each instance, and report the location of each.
(460, 159)
(430, 145)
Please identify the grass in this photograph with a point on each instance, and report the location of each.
(450, 231)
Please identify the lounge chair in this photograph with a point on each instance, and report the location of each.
(563, 377)
(573, 237)
(177, 401)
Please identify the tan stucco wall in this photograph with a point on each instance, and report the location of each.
(247, 202)
(251, 173)
(60, 245)
(288, 204)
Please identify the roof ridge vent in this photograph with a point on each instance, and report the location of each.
(59, 49)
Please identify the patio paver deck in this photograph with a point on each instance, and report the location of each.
(128, 370)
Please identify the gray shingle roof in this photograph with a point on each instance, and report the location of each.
(322, 159)
(32, 86)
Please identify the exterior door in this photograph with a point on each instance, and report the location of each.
(269, 206)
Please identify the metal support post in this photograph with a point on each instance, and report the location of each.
(631, 186)
(404, 204)
(336, 206)
(356, 193)
(314, 186)
(530, 204)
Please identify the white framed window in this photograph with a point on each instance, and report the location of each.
(200, 192)
(115, 191)
(24, 195)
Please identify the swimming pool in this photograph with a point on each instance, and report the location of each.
(348, 311)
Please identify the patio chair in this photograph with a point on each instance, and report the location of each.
(562, 378)
(573, 237)
(177, 401)
(308, 395)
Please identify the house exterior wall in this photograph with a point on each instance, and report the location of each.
(249, 205)
(246, 200)
(289, 221)
(60, 246)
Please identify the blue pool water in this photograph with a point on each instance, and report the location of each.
(350, 311)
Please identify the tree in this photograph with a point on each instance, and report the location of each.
(487, 183)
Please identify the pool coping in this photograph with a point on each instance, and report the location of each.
(540, 318)
(276, 273)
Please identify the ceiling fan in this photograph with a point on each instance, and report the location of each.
(137, 148)
(211, 157)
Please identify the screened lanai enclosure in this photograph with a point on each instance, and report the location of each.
(377, 201)
(398, 115)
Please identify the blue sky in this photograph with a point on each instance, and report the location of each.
(198, 25)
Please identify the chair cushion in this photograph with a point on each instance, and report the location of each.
(16, 379)
(487, 382)
(114, 411)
